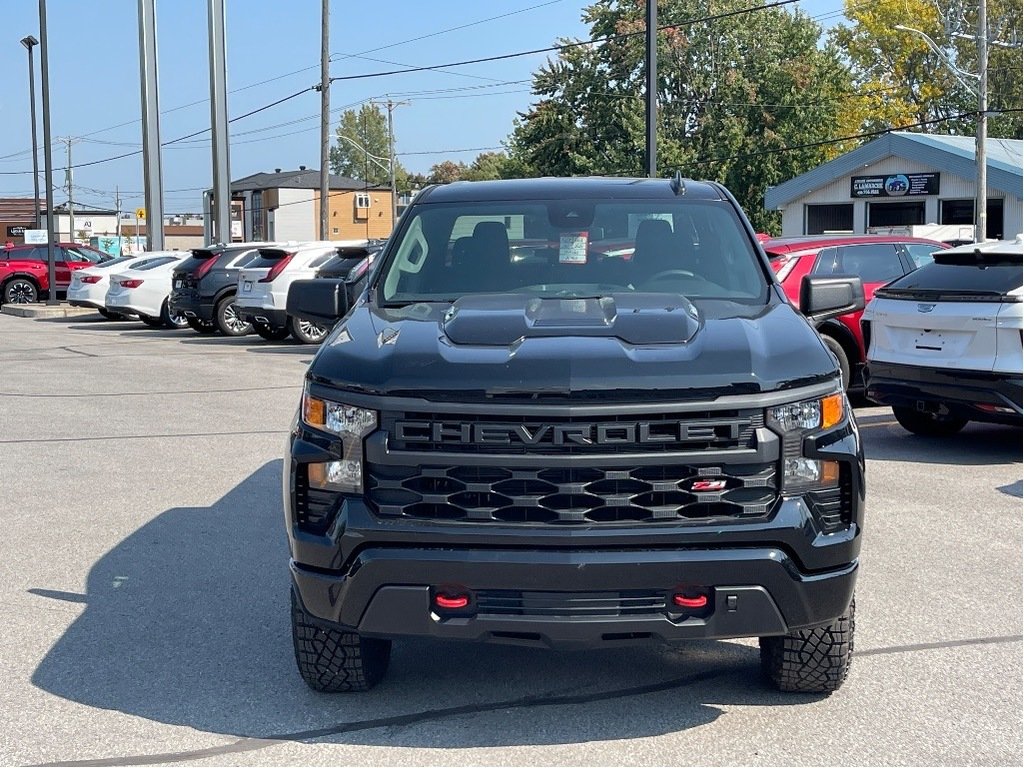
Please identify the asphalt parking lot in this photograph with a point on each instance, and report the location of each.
(144, 591)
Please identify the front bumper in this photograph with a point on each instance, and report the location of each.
(947, 391)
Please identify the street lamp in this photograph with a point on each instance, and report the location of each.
(29, 43)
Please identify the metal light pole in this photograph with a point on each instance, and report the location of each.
(151, 126)
(51, 266)
(219, 124)
(29, 43)
(325, 113)
(652, 88)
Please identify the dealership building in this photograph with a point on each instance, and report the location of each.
(901, 180)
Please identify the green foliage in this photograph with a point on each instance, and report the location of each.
(730, 91)
(363, 153)
(446, 172)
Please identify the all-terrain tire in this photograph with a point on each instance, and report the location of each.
(201, 326)
(227, 319)
(927, 424)
(331, 660)
(271, 334)
(20, 290)
(815, 660)
(844, 362)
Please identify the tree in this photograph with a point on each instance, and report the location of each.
(486, 166)
(446, 172)
(901, 81)
(365, 133)
(735, 96)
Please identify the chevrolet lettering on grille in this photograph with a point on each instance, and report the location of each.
(611, 433)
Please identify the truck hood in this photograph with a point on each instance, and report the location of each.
(492, 346)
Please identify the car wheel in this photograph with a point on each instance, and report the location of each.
(332, 660)
(112, 315)
(815, 660)
(152, 322)
(227, 319)
(840, 354)
(172, 318)
(307, 332)
(928, 424)
(20, 290)
(271, 334)
(201, 326)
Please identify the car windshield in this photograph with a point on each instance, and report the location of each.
(573, 248)
(155, 262)
(117, 261)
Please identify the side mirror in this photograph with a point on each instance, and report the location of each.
(822, 298)
(323, 302)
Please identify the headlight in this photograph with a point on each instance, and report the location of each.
(351, 424)
(793, 421)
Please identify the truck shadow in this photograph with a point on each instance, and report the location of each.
(977, 444)
(186, 623)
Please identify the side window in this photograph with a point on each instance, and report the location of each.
(920, 253)
(871, 262)
(74, 255)
(827, 263)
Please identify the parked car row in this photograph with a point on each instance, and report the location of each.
(24, 270)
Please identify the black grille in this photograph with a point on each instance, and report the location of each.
(522, 435)
(314, 508)
(514, 603)
(660, 493)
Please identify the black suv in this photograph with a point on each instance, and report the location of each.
(518, 436)
(205, 284)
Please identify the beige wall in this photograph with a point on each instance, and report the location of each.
(346, 222)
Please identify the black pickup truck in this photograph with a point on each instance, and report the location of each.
(573, 413)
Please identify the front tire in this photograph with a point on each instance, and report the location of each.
(227, 319)
(201, 326)
(815, 660)
(271, 334)
(332, 660)
(20, 290)
(928, 424)
(307, 332)
(844, 362)
(152, 322)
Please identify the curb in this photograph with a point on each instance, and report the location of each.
(37, 311)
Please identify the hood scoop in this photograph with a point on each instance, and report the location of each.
(503, 319)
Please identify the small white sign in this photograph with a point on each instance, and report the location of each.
(35, 237)
(572, 248)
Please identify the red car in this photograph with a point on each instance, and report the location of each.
(875, 259)
(24, 275)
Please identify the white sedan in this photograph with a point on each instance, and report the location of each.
(144, 290)
(89, 286)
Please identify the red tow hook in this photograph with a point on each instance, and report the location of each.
(452, 603)
(692, 603)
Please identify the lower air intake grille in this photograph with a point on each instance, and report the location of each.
(513, 603)
(565, 496)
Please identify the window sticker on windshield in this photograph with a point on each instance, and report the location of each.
(572, 248)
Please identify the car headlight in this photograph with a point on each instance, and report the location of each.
(351, 424)
(794, 421)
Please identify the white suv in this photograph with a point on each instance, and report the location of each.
(262, 295)
(944, 343)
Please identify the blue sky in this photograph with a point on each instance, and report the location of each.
(274, 47)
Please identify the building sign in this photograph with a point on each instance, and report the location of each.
(15, 231)
(36, 237)
(895, 185)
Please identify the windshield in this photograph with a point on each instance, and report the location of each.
(115, 262)
(573, 248)
(153, 263)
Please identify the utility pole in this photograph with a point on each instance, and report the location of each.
(325, 113)
(981, 193)
(652, 88)
(117, 222)
(69, 183)
(391, 154)
(51, 266)
(151, 126)
(219, 124)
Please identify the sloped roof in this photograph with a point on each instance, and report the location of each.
(308, 178)
(948, 154)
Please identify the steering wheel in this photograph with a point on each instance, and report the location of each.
(669, 273)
